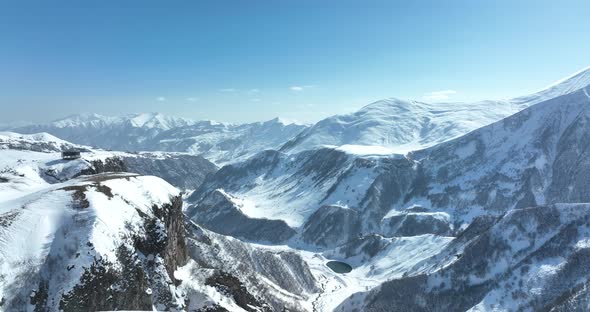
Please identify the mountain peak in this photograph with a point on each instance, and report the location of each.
(284, 121)
(572, 83)
(137, 120)
(157, 120)
(80, 119)
(389, 105)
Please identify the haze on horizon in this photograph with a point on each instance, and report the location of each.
(238, 61)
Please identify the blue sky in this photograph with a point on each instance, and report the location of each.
(242, 61)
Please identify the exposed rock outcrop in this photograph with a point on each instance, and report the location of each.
(182, 171)
(219, 213)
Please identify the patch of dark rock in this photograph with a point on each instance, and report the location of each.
(11, 171)
(102, 177)
(232, 286)
(39, 297)
(197, 233)
(3, 180)
(370, 244)
(7, 218)
(332, 226)
(182, 171)
(478, 226)
(414, 224)
(411, 294)
(213, 308)
(78, 196)
(113, 164)
(417, 209)
(170, 244)
(105, 190)
(102, 287)
(219, 214)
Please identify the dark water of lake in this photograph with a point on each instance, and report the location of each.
(339, 267)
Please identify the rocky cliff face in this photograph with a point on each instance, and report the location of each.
(111, 164)
(104, 245)
(180, 170)
(252, 276)
(220, 213)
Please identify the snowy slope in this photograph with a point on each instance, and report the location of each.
(113, 241)
(47, 212)
(330, 196)
(226, 143)
(40, 154)
(399, 126)
(572, 83)
(55, 243)
(532, 259)
(468, 196)
(40, 142)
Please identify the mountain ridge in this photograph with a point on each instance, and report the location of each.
(403, 126)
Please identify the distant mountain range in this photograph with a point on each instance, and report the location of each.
(401, 206)
(392, 125)
(221, 143)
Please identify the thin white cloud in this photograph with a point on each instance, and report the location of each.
(254, 90)
(228, 90)
(299, 88)
(192, 99)
(255, 100)
(439, 95)
(161, 99)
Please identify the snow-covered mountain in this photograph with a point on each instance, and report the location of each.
(76, 236)
(225, 143)
(117, 241)
(492, 220)
(146, 121)
(41, 153)
(348, 205)
(532, 259)
(399, 126)
(39, 142)
(524, 160)
(220, 143)
(384, 127)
